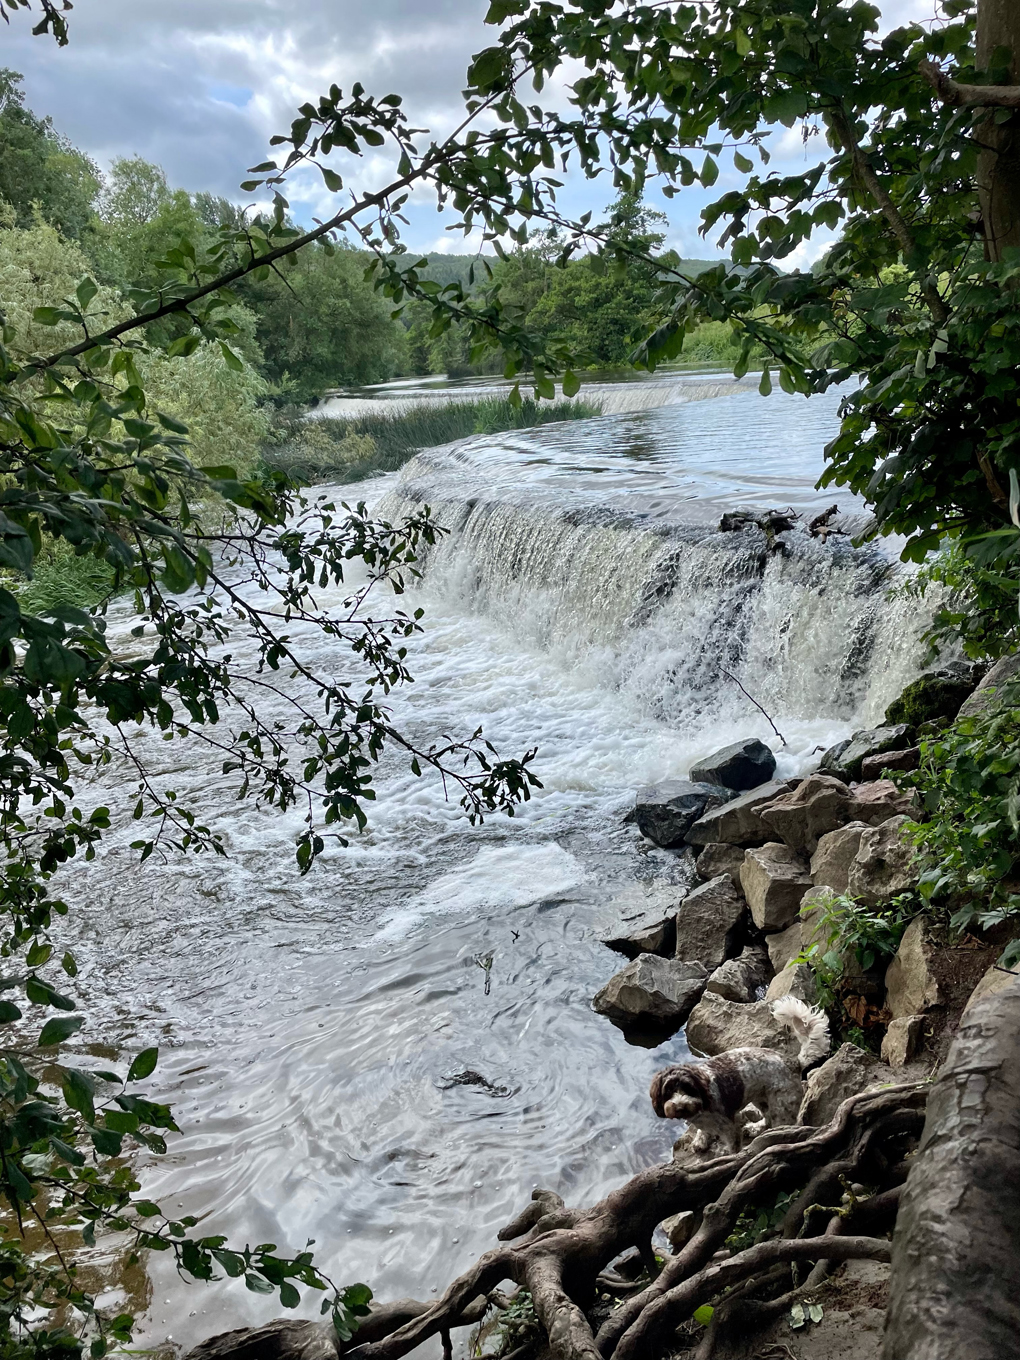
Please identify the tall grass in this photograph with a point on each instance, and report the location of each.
(352, 448)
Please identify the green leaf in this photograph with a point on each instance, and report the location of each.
(231, 358)
(85, 292)
(289, 1296)
(571, 384)
(709, 172)
(742, 163)
(144, 1064)
(331, 179)
(765, 386)
(704, 1314)
(8, 1013)
(59, 1028)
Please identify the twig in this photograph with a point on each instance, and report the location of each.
(755, 702)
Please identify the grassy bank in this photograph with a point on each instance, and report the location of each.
(351, 449)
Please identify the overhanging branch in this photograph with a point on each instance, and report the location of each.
(969, 96)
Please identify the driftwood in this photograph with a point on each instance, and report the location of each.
(558, 1254)
(955, 1284)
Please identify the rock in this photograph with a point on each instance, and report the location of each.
(987, 693)
(910, 984)
(785, 945)
(902, 1040)
(652, 991)
(744, 765)
(817, 805)
(876, 802)
(995, 980)
(720, 859)
(653, 934)
(884, 864)
(934, 697)
(849, 1071)
(737, 822)
(830, 864)
(740, 979)
(872, 742)
(774, 880)
(830, 761)
(796, 980)
(710, 922)
(873, 767)
(679, 1229)
(717, 1025)
(665, 812)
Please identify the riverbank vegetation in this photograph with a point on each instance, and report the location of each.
(133, 309)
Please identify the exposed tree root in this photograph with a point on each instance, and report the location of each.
(558, 1254)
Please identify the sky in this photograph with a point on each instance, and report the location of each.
(199, 86)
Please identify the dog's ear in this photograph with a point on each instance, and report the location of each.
(662, 1087)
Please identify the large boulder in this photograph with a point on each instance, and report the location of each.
(717, 1025)
(774, 880)
(874, 767)
(818, 804)
(666, 812)
(849, 1071)
(995, 980)
(837, 850)
(744, 765)
(710, 922)
(720, 859)
(876, 802)
(785, 945)
(884, 864)
(652, 992)
(737, 822)
(989, 691)
(846, 764)
(909, 980)
(795, 980)
(742, 978)
(652, 934)
(934, 697)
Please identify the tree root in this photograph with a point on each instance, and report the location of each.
(557, 1254)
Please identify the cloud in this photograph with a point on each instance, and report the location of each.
(199, 86)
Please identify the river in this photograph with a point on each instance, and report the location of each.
(312, 1031)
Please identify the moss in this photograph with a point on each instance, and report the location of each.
(930, 698)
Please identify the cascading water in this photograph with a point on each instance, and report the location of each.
(320, 1037)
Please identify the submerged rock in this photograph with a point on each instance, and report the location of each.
(774, 879)
(742, 766)
(737, 822)
(846, 765)
(666, 812)
(652, 991)
(710, 922)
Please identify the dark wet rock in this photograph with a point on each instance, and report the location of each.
(720, 859)
(817, 805)
(710, 922)
(830, 761)
(666, 812)
(742, 978)
(652, 992)
(872, 742)
(934, 697)
(737, 822)
(774, 879)
(471, 1078)
(741, 766)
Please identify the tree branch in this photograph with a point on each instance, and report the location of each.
(969, 96)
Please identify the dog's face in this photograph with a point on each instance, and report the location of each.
(677, 1093)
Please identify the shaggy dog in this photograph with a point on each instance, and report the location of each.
(711, 1094)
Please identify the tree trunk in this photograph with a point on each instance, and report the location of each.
(955, 1285)
(998, 171)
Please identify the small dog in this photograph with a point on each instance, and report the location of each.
(710, 1095)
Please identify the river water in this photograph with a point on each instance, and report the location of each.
(314, 1032)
